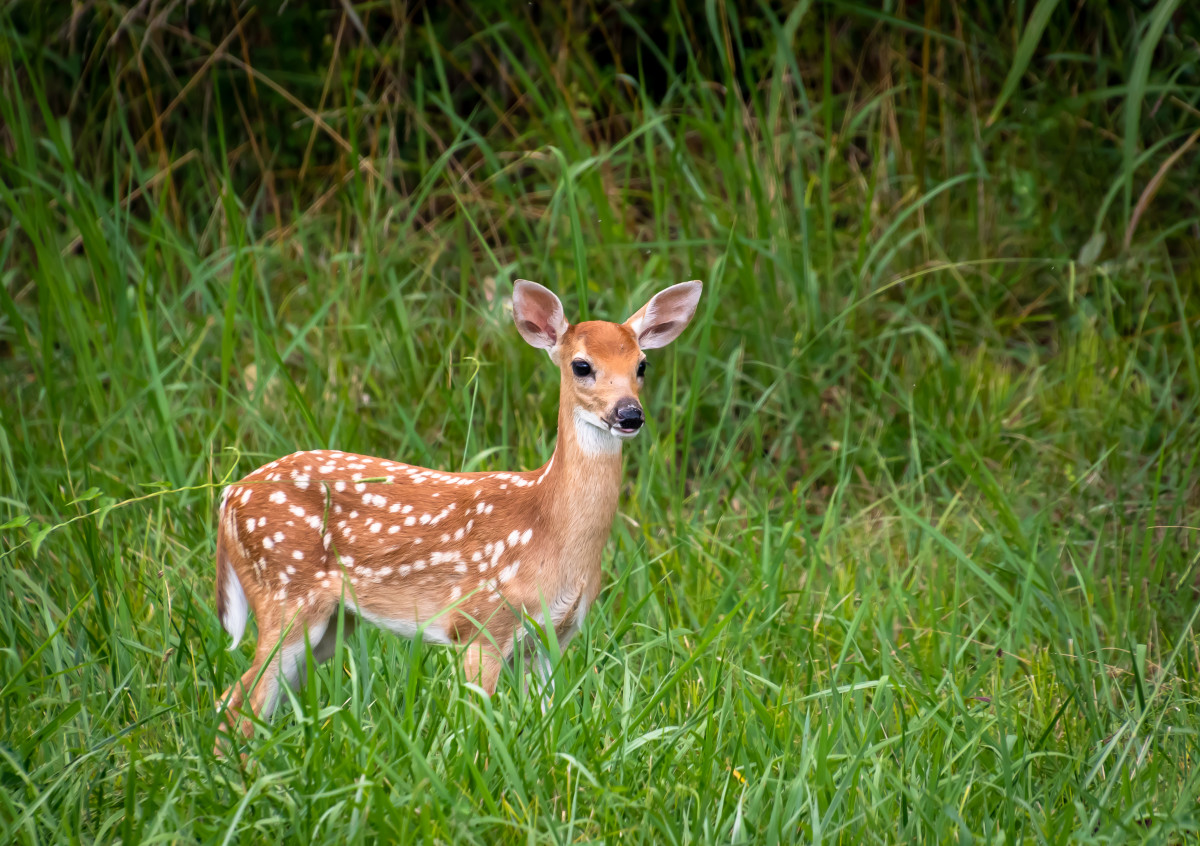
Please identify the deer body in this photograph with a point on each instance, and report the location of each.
(456, 558)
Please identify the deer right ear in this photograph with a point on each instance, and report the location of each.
(660, 321)
(538, 315)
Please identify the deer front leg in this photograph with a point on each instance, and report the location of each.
(482, 663)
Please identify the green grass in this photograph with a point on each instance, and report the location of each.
(909, 551)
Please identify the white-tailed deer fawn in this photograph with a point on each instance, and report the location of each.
(455, 558)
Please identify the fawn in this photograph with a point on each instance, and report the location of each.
(454, 558)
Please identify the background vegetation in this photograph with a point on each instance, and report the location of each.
(908, 553)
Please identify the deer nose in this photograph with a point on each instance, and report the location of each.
(629, 414)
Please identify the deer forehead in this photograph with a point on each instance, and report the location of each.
(609, 345)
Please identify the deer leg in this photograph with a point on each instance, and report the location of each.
(250, 688)
(324, 648)
(482, 663)
(259, 686)
(543, 671)
(292, 654)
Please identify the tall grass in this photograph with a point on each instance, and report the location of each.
(908, 553)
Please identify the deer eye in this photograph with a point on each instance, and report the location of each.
(641, 368)
(581, 368)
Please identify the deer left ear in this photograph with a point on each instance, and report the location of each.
(660, 321)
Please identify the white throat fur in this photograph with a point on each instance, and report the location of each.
(593, 436)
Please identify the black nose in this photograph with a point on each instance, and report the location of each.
(629, 415)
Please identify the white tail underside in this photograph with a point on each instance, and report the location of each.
(237, 609)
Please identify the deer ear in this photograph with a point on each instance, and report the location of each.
(538, 315)
(660, 321)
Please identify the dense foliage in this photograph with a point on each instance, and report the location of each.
(910, 551)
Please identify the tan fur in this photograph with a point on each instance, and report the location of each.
(461, 555)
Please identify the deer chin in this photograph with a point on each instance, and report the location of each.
(584, 417)
(594, 435)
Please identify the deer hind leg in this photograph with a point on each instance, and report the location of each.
(256, 690)
(324, 648)
(274, 656)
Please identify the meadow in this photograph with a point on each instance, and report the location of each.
(910, 551)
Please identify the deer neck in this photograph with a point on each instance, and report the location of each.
(583, 480)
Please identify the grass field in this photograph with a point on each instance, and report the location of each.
(910, 551)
